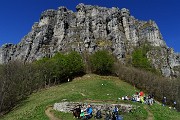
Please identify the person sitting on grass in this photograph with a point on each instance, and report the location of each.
(89, 111)
(82, 115)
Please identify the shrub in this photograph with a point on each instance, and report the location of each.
(17, 81)
(75, 64)
(61, 67)
(102, 62)
(139, 59)
(150, 82)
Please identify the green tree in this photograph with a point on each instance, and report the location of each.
(102, 62)
(59, 66)
(140, 60)
(64, 66)
(75, 63)
(45, 67)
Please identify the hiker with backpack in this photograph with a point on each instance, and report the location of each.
(174, 104)
(164, 100)
(77, 112)
(108, 115)
(115, 114)
(98, 114)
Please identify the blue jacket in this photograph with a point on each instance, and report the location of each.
(89, 111)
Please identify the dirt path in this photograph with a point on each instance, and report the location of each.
(52, 117)
(150, 115)
(49, 114)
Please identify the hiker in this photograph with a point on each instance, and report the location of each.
(98, 114)
(174, 105)
(126, 98)
(89, 111)
(77, 112)
(115, 114)
(108, 115)
(164, 100)
(138, 99)
(142, 99)
(136, 96)
(145, 100)
(115, 111)
(150, 100)
(141, 93)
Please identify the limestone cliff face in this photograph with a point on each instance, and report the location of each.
(89, 29)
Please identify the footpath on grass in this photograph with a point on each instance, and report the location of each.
(50, 114)
(150, 115)
(52, 117)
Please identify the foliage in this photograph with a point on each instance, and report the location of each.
(150, 82)
(75, 63)
(60, 67)
(102, 62)
(104, 43)
(164, 113)
(91, 86)
(44, 70)
(18, 80)
(140, 60)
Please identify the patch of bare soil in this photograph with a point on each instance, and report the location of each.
(50, 114)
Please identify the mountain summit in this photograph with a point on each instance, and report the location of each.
(89, 29)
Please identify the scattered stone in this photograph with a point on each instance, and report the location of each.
(68, 106)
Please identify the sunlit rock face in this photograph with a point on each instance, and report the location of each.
(89, 29)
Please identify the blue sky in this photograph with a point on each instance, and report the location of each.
(18, 16)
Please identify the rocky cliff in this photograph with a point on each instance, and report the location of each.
(89, 29)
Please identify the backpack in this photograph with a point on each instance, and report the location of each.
(108, 116)
(98, 114)
(77, 112)
(118, 117)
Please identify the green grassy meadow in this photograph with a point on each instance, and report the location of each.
(81, 89)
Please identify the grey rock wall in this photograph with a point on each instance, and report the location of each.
(69, 106)
(89, 29)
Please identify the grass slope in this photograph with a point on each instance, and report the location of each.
(81, 89)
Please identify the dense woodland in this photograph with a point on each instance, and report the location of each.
(18, 80)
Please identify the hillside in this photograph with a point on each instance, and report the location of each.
(88, 87)
(89, 29)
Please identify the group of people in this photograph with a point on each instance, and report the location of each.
(87, 113)
(83, 114)
(113, 115)
(164, 103)
(140, 97)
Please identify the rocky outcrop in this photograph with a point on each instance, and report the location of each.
(69, 106)
(89, 29)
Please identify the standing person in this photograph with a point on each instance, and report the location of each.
(89, 111)
(164, 100)
(174, 104)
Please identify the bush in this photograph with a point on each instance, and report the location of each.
(102, 62)
(17, 81)
(139, 59)
(75, 64)
(60, 67)
(150, 82)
